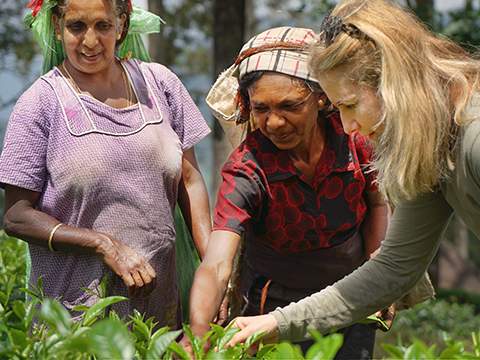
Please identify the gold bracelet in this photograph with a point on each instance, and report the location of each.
(50, 238)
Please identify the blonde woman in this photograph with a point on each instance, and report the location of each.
(416, 95)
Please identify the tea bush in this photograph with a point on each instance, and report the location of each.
(433, 330)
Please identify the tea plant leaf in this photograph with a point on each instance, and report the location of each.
(373, 318)
(109, 340)
(264, 351)
(18, 338)
(161, 344)
(392, 350)
(56, 316)
(222, 354)
(227, 336)
(252, 339)
(32, 293)
(324, 347)
(81, 308)
(158, 333)
(286, 352)
(178, 350)
(140, 329)
(96, 310)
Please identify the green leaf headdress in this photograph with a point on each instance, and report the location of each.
(40, 21)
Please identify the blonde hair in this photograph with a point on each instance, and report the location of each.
(422, 81)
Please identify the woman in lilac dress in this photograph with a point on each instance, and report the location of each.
(97, 153)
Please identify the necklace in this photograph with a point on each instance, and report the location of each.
(70, 77)
(128, 89)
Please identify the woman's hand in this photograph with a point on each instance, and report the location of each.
(200, 332)
(387, 315)
(133, 268)
(24, 221)
(251, 324)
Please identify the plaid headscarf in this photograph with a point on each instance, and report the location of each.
(283, 50)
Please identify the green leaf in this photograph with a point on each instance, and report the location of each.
(265, 351)
(18, 338)
(81, 308)
(96, 310)
(32, 293)
(286, 352)
(227, 336)
(110, 340)
(161, 344)
(373, 318)
(324, 347)
(140, 329)
(56, 316)
(177, 349)
(158, 333)
(252, 339)
(10, 285)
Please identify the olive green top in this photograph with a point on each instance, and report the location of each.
(412, 240)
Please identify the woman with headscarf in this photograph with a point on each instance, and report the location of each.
(96, 154)
(298, 189)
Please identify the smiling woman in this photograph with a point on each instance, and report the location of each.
(97, 153)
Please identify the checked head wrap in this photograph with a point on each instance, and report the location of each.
(283, 50)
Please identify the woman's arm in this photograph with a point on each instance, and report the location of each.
(412, 241)
(193, 200)
(210, 282)
(23, 221)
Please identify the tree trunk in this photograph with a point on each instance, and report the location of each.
(156, 45)
(424, 10)
(229, 30)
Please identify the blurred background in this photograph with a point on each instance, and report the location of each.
(200, 39)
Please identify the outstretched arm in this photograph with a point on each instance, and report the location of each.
(412, 241)
(210, 282)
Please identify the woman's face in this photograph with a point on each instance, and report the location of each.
(89, 34)
(286, 112)
(359, 106)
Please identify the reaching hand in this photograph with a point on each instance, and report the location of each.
(387, 315)
(251, 324)
(133, 268)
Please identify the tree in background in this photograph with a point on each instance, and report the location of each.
(17, 45)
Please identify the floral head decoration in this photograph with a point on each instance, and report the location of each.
(40, 21)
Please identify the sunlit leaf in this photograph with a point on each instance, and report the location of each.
(109, 340)
(96, 310)
(161, 344)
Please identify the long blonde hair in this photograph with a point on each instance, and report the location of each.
(423, 83)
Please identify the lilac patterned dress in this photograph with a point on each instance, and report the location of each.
(111, 170)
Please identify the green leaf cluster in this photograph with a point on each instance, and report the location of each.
(41, 328)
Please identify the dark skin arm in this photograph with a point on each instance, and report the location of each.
(23, 221)
(210, 283)
(193, 200)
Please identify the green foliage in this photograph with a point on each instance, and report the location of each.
(42, 329)
(434, 322)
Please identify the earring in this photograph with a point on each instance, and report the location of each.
(119, 36)
(59, 37)
(320, 104)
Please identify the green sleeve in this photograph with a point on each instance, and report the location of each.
(412, 240)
